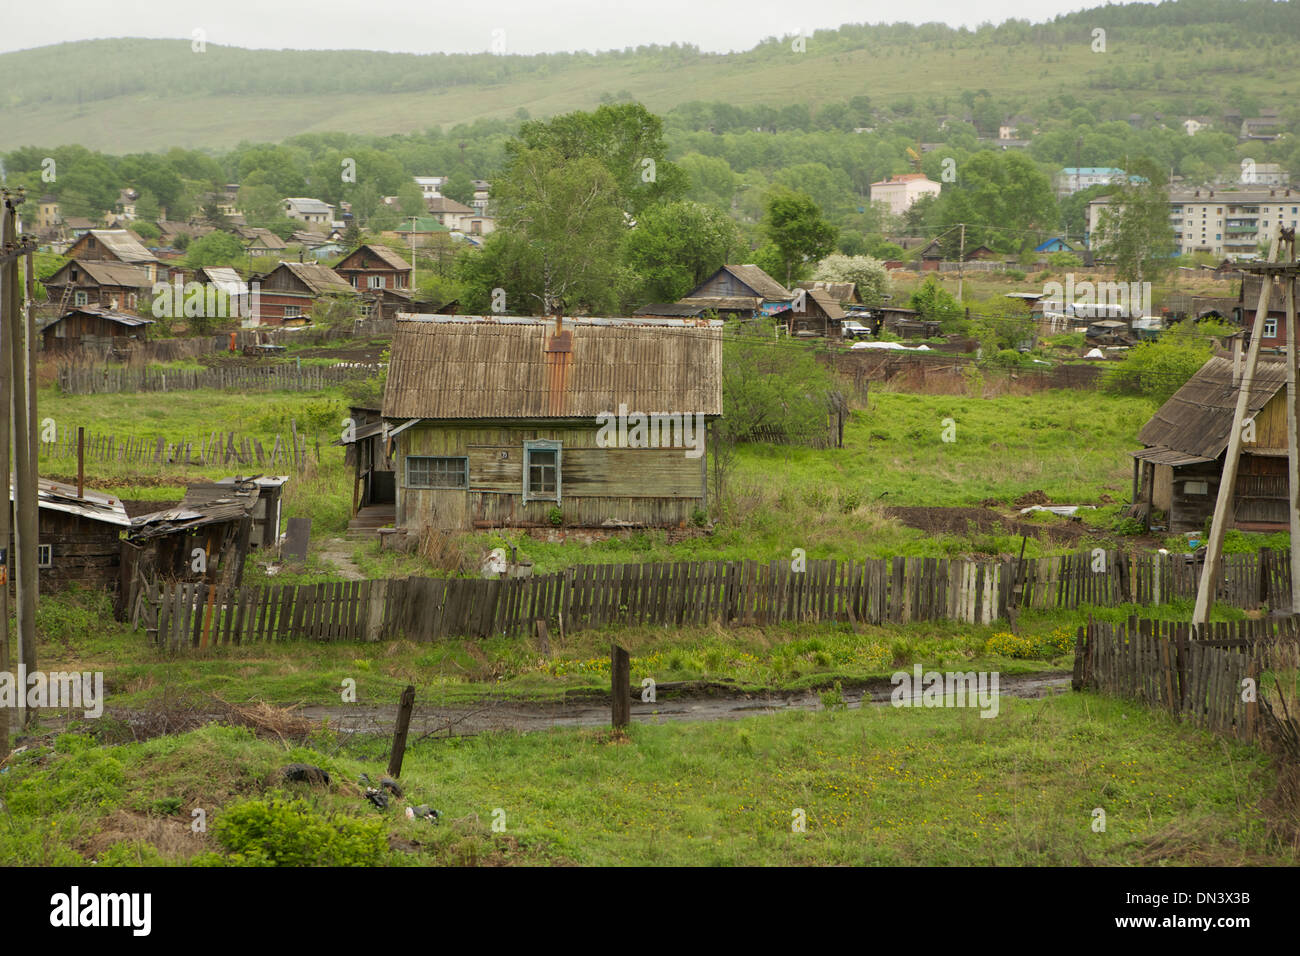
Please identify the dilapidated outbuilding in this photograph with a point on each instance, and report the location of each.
(1179, 470)
(79, 537)
(204, 538)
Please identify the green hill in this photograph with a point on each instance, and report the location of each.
(125, 95)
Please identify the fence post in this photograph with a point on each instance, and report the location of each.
(404, 708)
(620, 681)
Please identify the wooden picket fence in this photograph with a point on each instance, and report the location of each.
(1195, 673)
(696, 593)
(94, 380)
(216, 449)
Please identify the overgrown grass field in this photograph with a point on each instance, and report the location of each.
(880, 785)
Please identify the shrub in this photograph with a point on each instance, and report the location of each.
(555, 516)
(279, 832)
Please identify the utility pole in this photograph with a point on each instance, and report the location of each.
(29, 322)
(1292, 417)
(961, 261)
(1223, 505)
(25, 493)
(413, 221)
(6, 512)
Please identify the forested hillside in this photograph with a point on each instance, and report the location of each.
(1194, 56)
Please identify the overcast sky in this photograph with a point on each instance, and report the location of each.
(530, 26)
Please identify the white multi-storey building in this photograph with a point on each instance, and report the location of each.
(1224, 222)
(901, 191)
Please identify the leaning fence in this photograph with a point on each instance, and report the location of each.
(216, 449)
(694, 593)
(93, 380)
(1207, 675)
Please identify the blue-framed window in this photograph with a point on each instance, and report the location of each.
(429, 472)
(542, 470)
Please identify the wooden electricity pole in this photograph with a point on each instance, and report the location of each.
(7, 239)
(25, 500)
(1223, 505)
(1292, 411)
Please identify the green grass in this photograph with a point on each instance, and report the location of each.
(879, 785)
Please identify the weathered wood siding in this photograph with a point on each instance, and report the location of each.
(598, 486)
(84, 552)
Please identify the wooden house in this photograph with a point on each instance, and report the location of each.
(1178, 470)
(262, 242)
(907, 323)
(104, 285)
(115, 246)
(79, 537)
(371, 268)
(821, 316)
(374, 484)
(87, 325)
(733, 286)
(1274, 319)
(524, 422)
(287, 292)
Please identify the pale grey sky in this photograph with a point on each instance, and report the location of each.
(530, 26)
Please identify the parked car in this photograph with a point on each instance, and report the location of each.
(853, 329)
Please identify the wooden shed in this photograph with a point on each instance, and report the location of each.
(79, 537)
(821, 316)
(533, 422)
(87, 325)
(1179, 470)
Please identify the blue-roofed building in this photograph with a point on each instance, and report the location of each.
(1055, 244)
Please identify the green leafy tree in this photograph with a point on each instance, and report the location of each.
(772, 390)
(870, 275)
(794, 224)
(677, 246)
(1160, 368)
(625, 138)
(1134, 229)
(560, 229)
(459, 187)
(214, 249)
(933, 301)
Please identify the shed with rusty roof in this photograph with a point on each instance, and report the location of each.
(520, 422)
(1178, 470)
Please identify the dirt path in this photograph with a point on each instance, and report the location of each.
(338, 552)
(525, 717)
(489, 716)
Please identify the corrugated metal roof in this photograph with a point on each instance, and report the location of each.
(839, 291)
(319, 279)
(759, 281)
(54, 496)
(203, 504)
(443, 368)
(108, 315)
(827, 302)
(106, 273)
(124, 245)
(671, 309)
(385, 255)
(1159, 455)
(730, 303)
(1197, 419)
